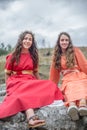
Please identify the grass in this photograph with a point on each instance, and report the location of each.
(44, 63)
(2, 66)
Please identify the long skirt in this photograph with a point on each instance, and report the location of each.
(24, 92)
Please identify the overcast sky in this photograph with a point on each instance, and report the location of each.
(45, 18)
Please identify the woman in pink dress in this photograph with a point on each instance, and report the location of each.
(69, 63)
(25, 90)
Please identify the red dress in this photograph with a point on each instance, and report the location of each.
(24, 91)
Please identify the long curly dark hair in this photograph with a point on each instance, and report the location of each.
(70, 56)
(32, 50)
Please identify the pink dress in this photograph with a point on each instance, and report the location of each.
(24, 91)
(74, 81)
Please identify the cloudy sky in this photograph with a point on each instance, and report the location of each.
(45, 18)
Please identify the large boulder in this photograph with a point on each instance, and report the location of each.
(56, 119)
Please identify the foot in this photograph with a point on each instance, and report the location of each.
(83, 111)
(34, 121)
(73, 112)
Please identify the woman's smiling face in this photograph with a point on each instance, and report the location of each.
(27, 41)
(64, 42)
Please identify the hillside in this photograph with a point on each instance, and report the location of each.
(44, 63)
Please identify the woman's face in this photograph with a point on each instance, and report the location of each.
(27, 41)
(64, 42)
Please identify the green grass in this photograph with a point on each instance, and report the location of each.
(2, 66)
(44, 71)
(44, 63)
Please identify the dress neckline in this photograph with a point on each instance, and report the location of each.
(25, 53)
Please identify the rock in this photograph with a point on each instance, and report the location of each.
(2, 93)
(56, 119)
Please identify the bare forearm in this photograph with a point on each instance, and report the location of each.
(6, 77)
(36, 74)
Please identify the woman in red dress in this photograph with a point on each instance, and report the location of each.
(70, 62)
(25, 90)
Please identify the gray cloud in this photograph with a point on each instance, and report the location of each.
(46, 18)
(5, 3)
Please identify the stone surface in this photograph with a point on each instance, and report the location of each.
(56, 119)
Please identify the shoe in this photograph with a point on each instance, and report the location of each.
(73, 113)
(83, 111)
(36, 118)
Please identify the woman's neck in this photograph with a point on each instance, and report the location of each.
(25, 51)
(63, 51)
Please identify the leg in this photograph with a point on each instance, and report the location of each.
(82, 103)
(83, 107)
(72, 104)
(73, 111)
(33, 119)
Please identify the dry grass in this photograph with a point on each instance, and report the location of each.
(2, 66)
(84, 50)
(44, 63)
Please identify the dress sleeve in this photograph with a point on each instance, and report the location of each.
(81, 60)
(8, 64)
(54, 74)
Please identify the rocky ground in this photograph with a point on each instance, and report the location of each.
(56, 118)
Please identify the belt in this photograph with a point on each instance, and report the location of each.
(69, 71)
(23, 72)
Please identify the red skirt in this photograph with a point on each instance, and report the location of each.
(24, 92)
